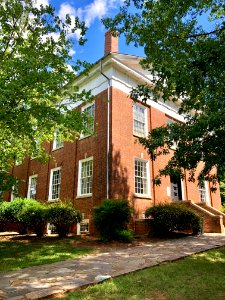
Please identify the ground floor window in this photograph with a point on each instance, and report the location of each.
(141, 172)
(85, 177)
(54, 186)
(32, 187)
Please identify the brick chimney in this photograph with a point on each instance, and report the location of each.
(111, 42)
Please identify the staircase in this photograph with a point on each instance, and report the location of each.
(213, 219)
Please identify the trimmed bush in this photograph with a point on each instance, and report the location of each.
(62, 216)
(125, 236)
(34, 216)
(111, 218)
(168, 218)
(3, 220)
(13, 209)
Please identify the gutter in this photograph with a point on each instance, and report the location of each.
(108, 120)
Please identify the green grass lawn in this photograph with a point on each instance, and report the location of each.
(18, 254)
(199, 277)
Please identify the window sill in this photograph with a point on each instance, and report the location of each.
(53, 200)
(148, 197)
(139, 135)
(85, 136)
(57, 148)
(84, 196)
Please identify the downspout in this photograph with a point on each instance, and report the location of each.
(108, 116)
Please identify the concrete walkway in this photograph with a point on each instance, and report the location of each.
(61, 277)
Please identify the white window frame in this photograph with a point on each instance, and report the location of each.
(148, 193)
(85, 223)
(29, 186)
(50, 184)
(145, 133)
(57, 144)
(206, 190)
(79, 194)
(85, 107)
(13, 194)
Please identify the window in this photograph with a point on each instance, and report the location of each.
(89, 110)
(51, 228)
(141, 177)
(57, 143)
(174, 144)
(14, 192)
(140, 117)
(32, 187)
(85, 177)
(54, 187)
(176, 188)
(202, 191)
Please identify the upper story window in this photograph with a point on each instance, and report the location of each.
(57, 142)
(142, 177)
(54, 184)
(32, 187)
(174, 144)
(139, 120)
(89, 109)
(85, 177)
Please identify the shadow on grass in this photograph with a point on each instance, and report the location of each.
(31, 251)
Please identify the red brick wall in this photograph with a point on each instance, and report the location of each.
(124, 148)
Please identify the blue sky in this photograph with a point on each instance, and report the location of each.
(91, 11)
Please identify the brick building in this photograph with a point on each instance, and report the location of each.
(111, 163)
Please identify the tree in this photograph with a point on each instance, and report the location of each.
(184, 44)
(36, 93)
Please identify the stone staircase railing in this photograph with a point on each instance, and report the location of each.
(213, 219)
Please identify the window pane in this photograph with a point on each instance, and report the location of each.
(139, 120)
(141, 180)
(32, 188)
(202, 191)
(90, 110)
(57, 143)
(86, 177)
(56, 180)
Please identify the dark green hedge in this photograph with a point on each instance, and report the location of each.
(168, 218)
(32, 215)
(111, 219)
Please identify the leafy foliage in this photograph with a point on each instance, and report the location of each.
(111, 218)
(62, 215)
(187, 59)
(36, 94)
(168, 218)
(125, 236)
(12, 210)
(34, 216)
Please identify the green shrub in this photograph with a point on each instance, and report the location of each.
(168, 218)
(111, 217)
(34, 216)
(62, 216)
(3, 219)
(12, 212)
(125, 236)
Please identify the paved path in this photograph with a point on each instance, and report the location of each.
(58, 278)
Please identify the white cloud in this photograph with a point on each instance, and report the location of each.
(66, 9)
(95, 10)
(89, 13)
(38, 3)
(72, 52)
